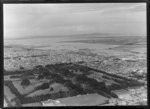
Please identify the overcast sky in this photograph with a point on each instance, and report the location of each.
(24, 20)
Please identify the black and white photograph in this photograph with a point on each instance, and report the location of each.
(75, 54)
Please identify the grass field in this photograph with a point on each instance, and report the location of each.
(84, 100)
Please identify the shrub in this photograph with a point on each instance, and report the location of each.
(40, 76)
(103, 93)
(51, 82)
(48, 66)
(82, 78)
(102, 85)
(114, 95)
(38, 66)
(37, 98)
(46, 73)
(107, 77)
(14, 76)
(21, 68)
(68, 83)
(48, 77)
(115, 87)
(13, 89)
(43, 70)
(25, 82)
(44, 86)
(51, 89)
(65, 72)
(79, 89)
(16, 102)
(60, 80)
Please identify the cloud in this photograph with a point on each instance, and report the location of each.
(103, 7)
(53, 19)
(128, 8)
(50, 9)
(139, 8)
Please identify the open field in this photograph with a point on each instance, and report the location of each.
(84, 100)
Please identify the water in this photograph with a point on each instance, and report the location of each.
(56, 43)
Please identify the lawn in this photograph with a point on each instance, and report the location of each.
(26, 89)
(56, 88)
(9, 94)
(84, 100)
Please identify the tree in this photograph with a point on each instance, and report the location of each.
(48, 66)
(21, 67)
(40, 76)
(14, 76)
(16, 102)
(25, 82)
(39, 66)
(60, 80)
(44, 86)
(46, 73)
(51, 89)
(114, 95)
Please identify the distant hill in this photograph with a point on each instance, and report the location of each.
(75, 35)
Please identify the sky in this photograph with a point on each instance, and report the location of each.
(27, 20)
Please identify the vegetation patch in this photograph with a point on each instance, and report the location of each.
(63, 80)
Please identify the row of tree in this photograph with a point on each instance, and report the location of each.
(17, 99)
(39, 98)
(12, 88)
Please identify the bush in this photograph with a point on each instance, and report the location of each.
(46, 73)
(115, 87)
(14, 76)
(73, 93)
(51, 82)
(38, 66)
(93, 82)
(102, 85)
(44, 86)
(49, 77)
(107, 77)
(43, 70)
(48, 66)
(40, 76)
(12, 72)
(51, 89)
(90, 90)
(68, 83)
(25, 82)
(82, 78)
(16, 102)
(13, 89)
(79, 89)
(37, 98)
(103, 93)
(60, 80)
(27, 73)
(114, 95)
(118, 81)
(65, 72)
(21, 68)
